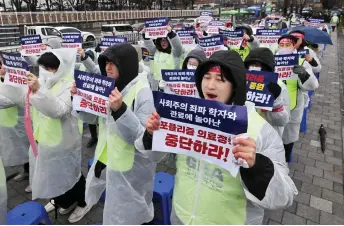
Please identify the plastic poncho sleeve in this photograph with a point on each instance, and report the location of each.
(85, 117)
(11, 96)
(91, 66)
(149, 44)
(312, 82)
(280, 118)
(254, 44)
(131, 124)
(3, 195)
(53, 106)
(281, 189)
(316, 69)
(177, 47)
(77, 66)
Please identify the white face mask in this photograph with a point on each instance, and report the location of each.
(284, 51)
(191, 67)
(254, 68)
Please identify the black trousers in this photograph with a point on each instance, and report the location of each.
(288, 149)
(333, 28)
(75, 194)
(27, 167)
(93, 131)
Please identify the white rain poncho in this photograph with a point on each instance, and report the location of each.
(14, 145)
(129, 173)
(57, 167)
(3, 195)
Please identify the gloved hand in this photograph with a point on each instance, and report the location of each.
(274, 89)
(301, 72)
(162, 85)
(99, 168)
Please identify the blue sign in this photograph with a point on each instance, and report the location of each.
(303, 52)
(112, 40)
(72, 38)
(316, 20)
(31, 39)
(211, 41)
(156, 22)
(287, 60)
(14, 60)
(257, 88)
(232, 34)
(232, 119)
(94, 83)
(206, 13)
(269, 32)
(178, 75)
(146, 54)
(186, 32)
(217, 23)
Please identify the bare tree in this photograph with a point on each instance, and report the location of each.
(17, 5)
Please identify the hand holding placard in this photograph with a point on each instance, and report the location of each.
(115, 100)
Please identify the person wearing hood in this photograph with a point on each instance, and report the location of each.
(14, 144)
(262, 59)
(127, 173)
(194, 59)
(3, 195)
(205, 193)
(312, 57)
(249, 42)
(55, 173)
(167, 54)
(334, 22)
(297, 90)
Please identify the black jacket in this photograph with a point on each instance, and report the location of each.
(197, 54)
(263, 56)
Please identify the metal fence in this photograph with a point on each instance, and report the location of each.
(56, 17)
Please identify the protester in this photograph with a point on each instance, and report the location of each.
(55, 173)
(194, 59)
(262, 59)
(167, 54)
(249, 41)
(197, 199)
(297, 89)
(311, 58)
(3, 195)
(14, 144)
(334, 21)
(53, 43)
(129, 171)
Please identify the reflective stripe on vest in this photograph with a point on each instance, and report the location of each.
(162, 61)
(242, 52)
(292, 86)
(121, 157)
(9, 116)
(48, 131)
(220, 197)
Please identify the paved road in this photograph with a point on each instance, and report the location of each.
(318, 176)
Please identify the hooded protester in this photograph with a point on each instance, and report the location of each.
(262, 59)
(14, 144)
(55, 173)
(297, 90)
(194, 59)
(334, 21)
(167, 52)
(128, 172)
(311, 58)
(249, 41)
(205, 193)
(3, 195)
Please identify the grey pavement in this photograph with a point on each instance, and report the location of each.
(318, 176)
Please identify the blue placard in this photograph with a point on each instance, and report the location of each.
(72, 38)
(217, 23)
(233, 119)
(112, 40)
(14, 60)
(272, 21)
(303, 52)
(186, 32)
(178, 75)
(206, 13)
(156, 22)
(287, 60)
(257, 88)
(146, 54)
(316, 20)
(269, 32)
(94, 83)
(211, 41)
(30, 39)
(232, 34)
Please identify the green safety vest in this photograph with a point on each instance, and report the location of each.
(48, 131)
(82, 68)
(242, 52)
(220, 197)
(121, 155)
(9, 116)
(162, 61)
(292, 86)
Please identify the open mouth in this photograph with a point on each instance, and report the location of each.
(211, 96)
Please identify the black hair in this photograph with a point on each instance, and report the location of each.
(49, 60)
(159, 47)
